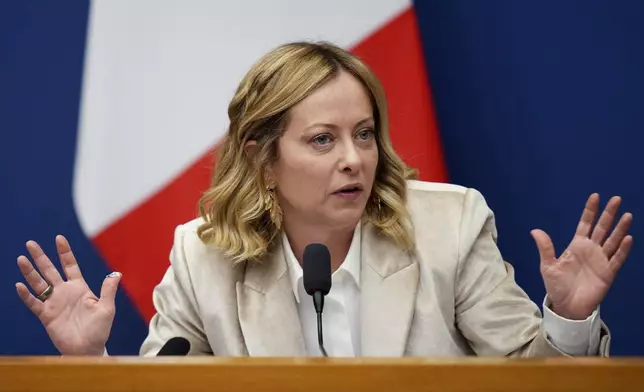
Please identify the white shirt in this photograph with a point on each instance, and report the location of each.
(341, 315)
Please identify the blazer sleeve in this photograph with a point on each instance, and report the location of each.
(493, 313)
(176, 308)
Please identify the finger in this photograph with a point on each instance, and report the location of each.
(588, 216)
(606, 219)
(67, 259)
(108, 290)
(618, 234)
(32, 303)
(545, 246)
(31, 275)
(45, 266)
(619, 257)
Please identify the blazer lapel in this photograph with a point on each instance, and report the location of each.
(388, 292)
(267, 309)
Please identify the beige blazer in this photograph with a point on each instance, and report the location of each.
(453, 296)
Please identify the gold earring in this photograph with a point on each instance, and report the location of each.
(272, 206)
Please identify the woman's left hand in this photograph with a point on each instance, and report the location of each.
(578, 280)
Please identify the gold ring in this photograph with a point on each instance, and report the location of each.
(46, 294)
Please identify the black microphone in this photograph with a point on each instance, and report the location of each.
(175, 346)
(317, 281)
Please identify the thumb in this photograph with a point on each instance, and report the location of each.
(545, 246)
(108, 290)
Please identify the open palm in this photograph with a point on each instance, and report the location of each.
(579, 279)
(77, 321)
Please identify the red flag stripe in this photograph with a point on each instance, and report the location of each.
(138, 244)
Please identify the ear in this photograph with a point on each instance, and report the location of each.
(251, 148)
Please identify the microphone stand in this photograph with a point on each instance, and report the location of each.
(318, 302)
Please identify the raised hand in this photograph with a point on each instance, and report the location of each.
(578, 280)
(78, 323)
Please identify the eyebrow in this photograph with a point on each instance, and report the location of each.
(327, 125)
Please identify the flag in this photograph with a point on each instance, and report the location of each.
(157, 81)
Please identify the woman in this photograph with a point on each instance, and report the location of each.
(308, 159)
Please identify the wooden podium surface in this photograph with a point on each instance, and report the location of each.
(53, 374)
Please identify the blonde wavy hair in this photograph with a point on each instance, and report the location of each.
(235, 209)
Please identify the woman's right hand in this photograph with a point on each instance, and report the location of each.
(78, 323)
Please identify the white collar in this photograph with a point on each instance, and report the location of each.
(351, 262)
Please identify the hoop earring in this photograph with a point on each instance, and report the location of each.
(272, 207)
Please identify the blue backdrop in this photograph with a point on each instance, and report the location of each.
(539, 104)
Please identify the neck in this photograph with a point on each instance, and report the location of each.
(338, 241)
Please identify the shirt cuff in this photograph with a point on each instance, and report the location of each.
(573, 337)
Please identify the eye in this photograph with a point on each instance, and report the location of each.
(365, 134)
(322, 140)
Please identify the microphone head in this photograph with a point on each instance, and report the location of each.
(175, 346)
(317, 269)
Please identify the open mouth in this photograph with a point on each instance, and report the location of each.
(349, 190)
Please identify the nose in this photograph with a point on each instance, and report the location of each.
(350, 160)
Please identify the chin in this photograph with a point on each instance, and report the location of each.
(347, 218)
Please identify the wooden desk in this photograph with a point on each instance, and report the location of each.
(54, 374)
